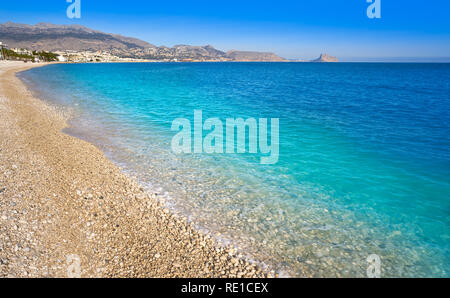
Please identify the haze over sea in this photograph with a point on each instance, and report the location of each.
(364, 163)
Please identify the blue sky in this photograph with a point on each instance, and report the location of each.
(292, 29)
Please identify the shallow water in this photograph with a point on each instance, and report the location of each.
(364, 160)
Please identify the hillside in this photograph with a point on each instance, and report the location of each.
(50, 37)
(253, 56)
(325, 58)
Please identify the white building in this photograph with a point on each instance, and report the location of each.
(61, 58)
(22, 51)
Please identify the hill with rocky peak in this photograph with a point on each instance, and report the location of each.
(326, 58)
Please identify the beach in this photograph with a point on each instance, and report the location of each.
(89, 178)
(62, 200)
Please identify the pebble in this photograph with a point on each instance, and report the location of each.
(116, 235)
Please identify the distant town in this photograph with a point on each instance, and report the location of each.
(45, 42)
(83, 56)
(21, 54)
(70, 56)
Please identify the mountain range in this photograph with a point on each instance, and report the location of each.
(50, 37)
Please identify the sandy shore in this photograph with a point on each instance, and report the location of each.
(61, 199)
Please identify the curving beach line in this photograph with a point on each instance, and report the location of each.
(62, 200)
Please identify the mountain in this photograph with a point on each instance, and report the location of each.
(326, 58)
(50, 37)
(253, 56)
(180, 52)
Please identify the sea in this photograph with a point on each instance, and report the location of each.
(361, 184)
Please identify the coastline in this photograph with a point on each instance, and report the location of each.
(60, 197)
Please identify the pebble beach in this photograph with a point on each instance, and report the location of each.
(61, 197)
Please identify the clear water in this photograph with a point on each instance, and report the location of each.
(364, 165)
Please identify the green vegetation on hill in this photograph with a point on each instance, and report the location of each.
(47, 56)
(43, 55)
(11, 55)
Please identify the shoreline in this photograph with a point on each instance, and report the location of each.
(61, 198)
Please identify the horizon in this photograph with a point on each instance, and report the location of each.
(406, 32)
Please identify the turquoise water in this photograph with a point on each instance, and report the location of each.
(364, 163)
